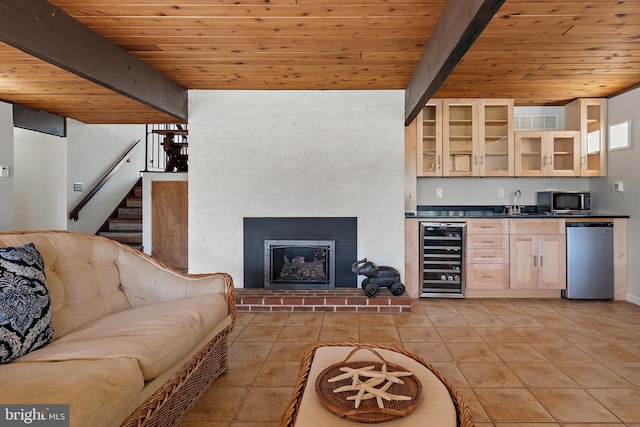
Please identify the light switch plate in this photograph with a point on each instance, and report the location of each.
(78, 186)
(618, 186)
(4, 171)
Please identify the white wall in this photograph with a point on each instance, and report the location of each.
(624, 166)
(6, 159)
(296, 154)
(92, 151)
(40, 175)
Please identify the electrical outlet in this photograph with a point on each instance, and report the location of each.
(78, 186)
(439, 193)
(501, 192)
(618, 186)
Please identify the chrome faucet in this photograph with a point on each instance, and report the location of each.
(515, 209)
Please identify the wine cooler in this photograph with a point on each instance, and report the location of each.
(442, 255)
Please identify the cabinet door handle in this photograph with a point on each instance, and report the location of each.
(584, 160)
(540, 260)
(535, 261)
(481, 160)
(487, 241)
(438, 157)
(487, 277)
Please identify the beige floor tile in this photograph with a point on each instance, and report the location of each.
(539, 335)
(541, 375)
(499, 334)
(264, 404)
(543, 363)
(451, 372)
(308, 320)
(418, 334)
(259, 333)
(379, 320)
(609, 353)
(562, 352)
(269, 319)
(487, 320)
(340, 319)
(430, 352)
(299, 333)
(277, 374)
(592, 374)
(247, 351)
(217, 404)
(472, 352)
(412, 320)
(629, 371)
(623, 402)
(517, 352)
(447, 320)
(572, 405)
(379, 334)
(520, 320)
(512, 405)
(458, 334)
(239, 374)
(339, 334)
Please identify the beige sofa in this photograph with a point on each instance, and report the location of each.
(135, 342)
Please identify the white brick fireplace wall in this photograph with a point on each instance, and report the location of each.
(294, 154)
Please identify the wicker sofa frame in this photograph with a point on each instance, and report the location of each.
(170, 403)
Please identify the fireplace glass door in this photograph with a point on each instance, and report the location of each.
(299, 264)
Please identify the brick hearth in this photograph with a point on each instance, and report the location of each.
(337, 300)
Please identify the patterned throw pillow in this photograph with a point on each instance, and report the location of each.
(25, 304)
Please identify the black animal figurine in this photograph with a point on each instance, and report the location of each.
(378, 276)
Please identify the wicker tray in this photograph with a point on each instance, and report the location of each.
(368, 410)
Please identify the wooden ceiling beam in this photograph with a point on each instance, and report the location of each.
(459, 25)
(46, 32)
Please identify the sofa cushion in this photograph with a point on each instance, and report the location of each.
(25, 304)
(99, 392)
(156, 335)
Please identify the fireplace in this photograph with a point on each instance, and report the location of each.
(299, 264)
(327, 244)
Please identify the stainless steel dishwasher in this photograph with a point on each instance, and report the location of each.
(589, 260)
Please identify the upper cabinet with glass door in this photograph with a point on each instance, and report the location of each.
(588, 115)
(429, 143)
(495, 139)
(460, 137)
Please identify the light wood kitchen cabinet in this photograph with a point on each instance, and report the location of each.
(538, 254)
(429, 139)
(547, 153)
(460, 137)
(487, 254)
(588, 116)
(495, 138)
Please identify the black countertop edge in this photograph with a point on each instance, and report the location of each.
(441, 211)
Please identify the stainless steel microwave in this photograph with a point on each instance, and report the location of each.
(567, 202)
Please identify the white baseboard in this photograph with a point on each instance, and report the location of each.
(633, 299)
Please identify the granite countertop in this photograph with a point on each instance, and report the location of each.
(464, 212)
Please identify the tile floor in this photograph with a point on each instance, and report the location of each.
(516, 362)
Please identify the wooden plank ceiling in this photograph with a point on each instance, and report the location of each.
(537, 52)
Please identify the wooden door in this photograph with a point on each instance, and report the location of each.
(169, 222)
(460, 137)
(495, 138)
(530, 153)
(429, 139)
(563, 156)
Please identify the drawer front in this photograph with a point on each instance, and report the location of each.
(488, 276)
(487, 241)
(536, 226)
(487, 226)
(488, 256)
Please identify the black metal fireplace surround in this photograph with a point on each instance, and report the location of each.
(341, 230)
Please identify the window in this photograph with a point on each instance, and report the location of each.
(620, 135)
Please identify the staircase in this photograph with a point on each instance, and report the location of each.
(125, 223)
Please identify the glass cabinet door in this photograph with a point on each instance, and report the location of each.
(429, 142)
(588, 115)
(564, 154)
(459, 135)
(530, 153)
(495, 141)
